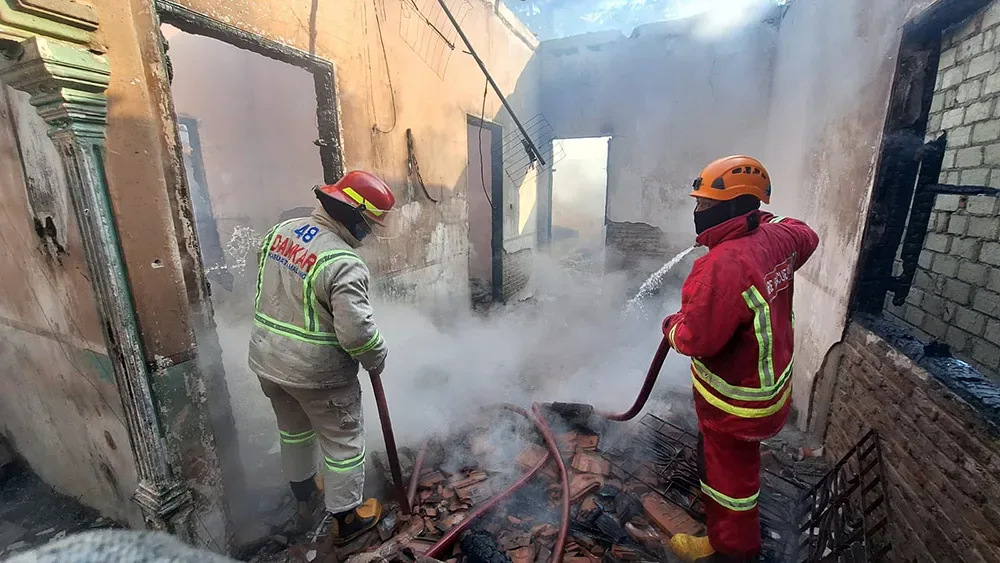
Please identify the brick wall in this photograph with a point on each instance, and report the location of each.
(956, 291)
(630, 245)
(517, 268)
(941, 455)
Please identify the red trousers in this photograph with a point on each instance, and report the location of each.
(730, 484)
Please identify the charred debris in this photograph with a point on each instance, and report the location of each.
(632, 486)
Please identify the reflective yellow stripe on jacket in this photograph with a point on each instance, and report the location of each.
(307, 333)
(725, 392)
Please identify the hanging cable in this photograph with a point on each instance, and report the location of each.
(388, 74)
(482, 161)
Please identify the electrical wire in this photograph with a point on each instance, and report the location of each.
(388, 74)
(482, 161)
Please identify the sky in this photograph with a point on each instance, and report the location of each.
(572, 17)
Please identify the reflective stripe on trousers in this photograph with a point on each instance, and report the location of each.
(729, 470)
(331, 419)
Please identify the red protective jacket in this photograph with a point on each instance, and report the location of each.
(736, 323)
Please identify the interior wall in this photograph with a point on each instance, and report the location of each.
(672, 100)
(834, 69)
(59, 405)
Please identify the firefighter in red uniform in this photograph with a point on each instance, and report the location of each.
(735, 324)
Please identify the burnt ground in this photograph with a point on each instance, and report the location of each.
(33, 513)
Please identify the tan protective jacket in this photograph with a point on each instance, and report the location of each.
(313, 322)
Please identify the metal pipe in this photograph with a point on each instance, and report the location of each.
(489, 78)
(390, 443)
(647, 386)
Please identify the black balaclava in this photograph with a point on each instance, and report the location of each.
(346, 215)
(724, 211)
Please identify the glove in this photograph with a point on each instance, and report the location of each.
(378, 370)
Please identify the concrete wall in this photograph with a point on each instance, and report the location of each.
(672, 101)
(59, 406)
(834, 69)
(941, 453)
(955, 297)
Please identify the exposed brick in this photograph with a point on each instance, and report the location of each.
(981, 205)
(961, 136)
(925, 259)
(924, 280)
(993, 280)
(947, 58)
(957, 225)
(990, 253)
(967, 248)
(934, 326)
(957, 291)
(991, 16)
(933, 305)
(979, 111)
(913, 315)
(952, 118)
(992, 154)
(957, 338)
(986, 132)
(953, 77)
(952, 177)
(969, 91)
(972, 273)
(939, 242)
(984, 227)
(992, 333)
(970, 157)
(986, 302)
(949, 202)
(981, 65)
(945, 265)
(992, 85)
(975, 177)
(970, 321)
(986, 353)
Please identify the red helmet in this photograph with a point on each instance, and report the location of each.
(365, 192)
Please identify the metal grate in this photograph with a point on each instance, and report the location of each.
(844, 518)
(518, 160)
(424, 26)
(664, 457)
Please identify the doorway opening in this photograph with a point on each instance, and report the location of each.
(579, 203)
(250, 116)
(484, 193)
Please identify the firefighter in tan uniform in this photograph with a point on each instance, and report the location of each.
(313, 327)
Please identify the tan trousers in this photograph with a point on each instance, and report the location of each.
(333, 418)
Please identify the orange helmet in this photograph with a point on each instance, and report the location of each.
(733, 176)
(365, 192)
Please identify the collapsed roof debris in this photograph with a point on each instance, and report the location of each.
(631, 488)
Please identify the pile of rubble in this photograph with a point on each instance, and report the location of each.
(631, 488)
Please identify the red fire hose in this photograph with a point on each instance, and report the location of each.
(550, 440)
(406, 498)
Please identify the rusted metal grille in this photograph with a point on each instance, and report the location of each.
(844, 518)
(664, 457)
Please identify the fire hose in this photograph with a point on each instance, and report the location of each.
(406, 497)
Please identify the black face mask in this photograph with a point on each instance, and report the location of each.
(724, 211)
(360, 230)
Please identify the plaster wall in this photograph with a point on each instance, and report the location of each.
(834, 69)
(59, 406)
